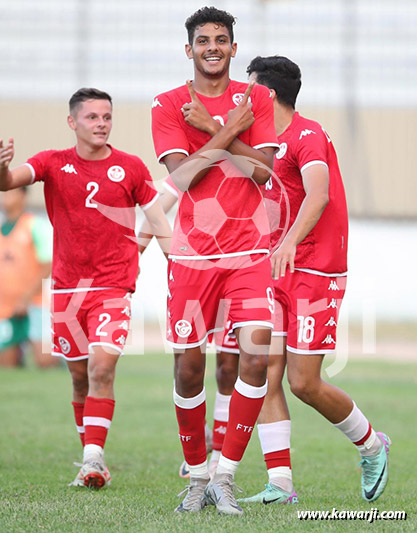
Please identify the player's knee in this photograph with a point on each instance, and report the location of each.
(101, 375)
(188, 381)
(226, 375)
(304, 388)
(254, 366)
(80, 383)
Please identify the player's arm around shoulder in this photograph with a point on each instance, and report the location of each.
(19, 176)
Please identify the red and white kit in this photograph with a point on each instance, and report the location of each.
(310, 298)
(91, 205)
(223, 217)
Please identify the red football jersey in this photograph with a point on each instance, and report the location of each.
(91, 205)
(302, 144)
(224, 214)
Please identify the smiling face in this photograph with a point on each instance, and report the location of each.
(91, 121)
(211, 50)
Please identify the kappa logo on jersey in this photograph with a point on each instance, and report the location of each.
(282, 150)
(171, 276)
(169, 294)
(124, 325)
(329, 340)
(65, 345)
(116, 173)
(333, 286)
(306, 132)
(331, 322)
(221, 430)
(183, 328)
(69, 169)
(238, 97)
(156, 103)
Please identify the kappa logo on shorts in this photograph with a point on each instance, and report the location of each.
(331, 322)
(329, 340)
(121, 340)
(281, 151)
(116, 173)
(333, 303)
(183, 328)
(65, 345)
(333, 286)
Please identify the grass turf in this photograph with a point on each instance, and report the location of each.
(38, 443)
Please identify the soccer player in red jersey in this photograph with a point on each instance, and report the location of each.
(91, 191)
(309, 265)
(217, 139)
(227, 356)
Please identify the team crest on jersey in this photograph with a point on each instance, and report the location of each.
(65, 345)
(238, 97)
(116, 173)
(183, 328)
(282, 151)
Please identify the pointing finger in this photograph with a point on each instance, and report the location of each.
(192, 92)
(247, 93)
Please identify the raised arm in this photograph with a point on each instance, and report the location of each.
(196, 115)
(187, 171)
(12, 179)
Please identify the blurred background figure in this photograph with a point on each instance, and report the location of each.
(25, 260)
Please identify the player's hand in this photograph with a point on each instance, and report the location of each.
(6, 154)
(241, 118)
(196, 114)
(283, 257)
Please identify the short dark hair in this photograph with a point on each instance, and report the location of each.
(209, 14)
(87, 93)
(280, 74)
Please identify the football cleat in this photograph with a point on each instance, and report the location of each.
(193, 501)
(79, 478)
(183, 471)
(96, 474)
(220, 492)
(375, 471)
(271, 494)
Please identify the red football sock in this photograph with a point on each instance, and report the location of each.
(219, 432)
(278, 458)
(98, 414)
(78, 415)
(191, 416)
(245, 406)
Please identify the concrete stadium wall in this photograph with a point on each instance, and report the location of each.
(376, 148)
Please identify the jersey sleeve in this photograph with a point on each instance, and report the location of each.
(42, 239)
(39, 165)
(311, 147)
(170, 186)
(145, 193)
(262, 132)
(168, 133)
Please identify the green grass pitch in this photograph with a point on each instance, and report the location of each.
(38, 443)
